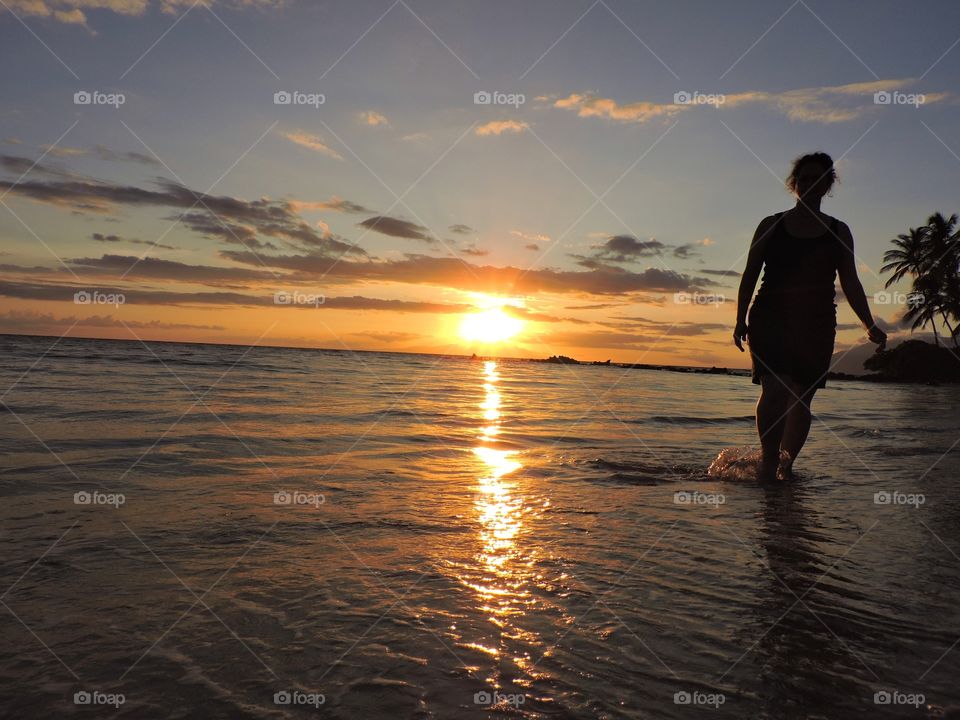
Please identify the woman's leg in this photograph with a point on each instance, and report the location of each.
(797, 424)
(772, 409)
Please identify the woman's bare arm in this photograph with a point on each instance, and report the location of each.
(748, 281)
(853, 288)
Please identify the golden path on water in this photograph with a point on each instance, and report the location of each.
(505, 561)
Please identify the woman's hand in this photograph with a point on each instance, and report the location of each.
(740, 334)
(877, 336)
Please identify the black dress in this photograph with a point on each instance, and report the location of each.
(792, 323)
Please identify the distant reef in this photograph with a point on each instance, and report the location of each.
(912, 361)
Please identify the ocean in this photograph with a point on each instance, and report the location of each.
(235, 532)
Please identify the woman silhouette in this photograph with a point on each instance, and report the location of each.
(793, 319)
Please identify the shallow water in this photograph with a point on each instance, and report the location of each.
(547, 535)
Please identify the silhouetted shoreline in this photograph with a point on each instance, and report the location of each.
(913, 361)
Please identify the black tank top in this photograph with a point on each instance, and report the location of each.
(799, 273)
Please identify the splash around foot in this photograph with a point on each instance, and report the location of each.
(746, 464)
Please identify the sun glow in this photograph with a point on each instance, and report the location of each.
(490, 326)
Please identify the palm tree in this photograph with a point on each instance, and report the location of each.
(942, 266)
(931, 255)
(908, 257)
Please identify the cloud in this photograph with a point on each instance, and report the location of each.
(101, 152)
(474, 251)
(388, 337)
(532, 246)
(690, 249)
(314, 142)
(827, 104)
(133, 267)
(464, 275)
(498, 127)
(373, 118)
(597, 306)
(394, 227)
(134, 296)
(535, 238)
(100, 237)
(461, 229)
(335, 204)
(588, 105)
(225, 218)
(31, 320)
(721, 273)
(622, 249)
(73, 12)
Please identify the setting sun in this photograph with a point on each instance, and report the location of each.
(490, 326)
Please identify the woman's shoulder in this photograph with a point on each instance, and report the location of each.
(770, 220)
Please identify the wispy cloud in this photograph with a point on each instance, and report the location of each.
(314, 142)
(828, 104)
(373, 118)
(499, 127)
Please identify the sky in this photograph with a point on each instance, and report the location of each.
(521, 179)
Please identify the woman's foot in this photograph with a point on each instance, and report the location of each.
(786, 467)
(767, 470)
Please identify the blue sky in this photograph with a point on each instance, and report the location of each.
(599, 82)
